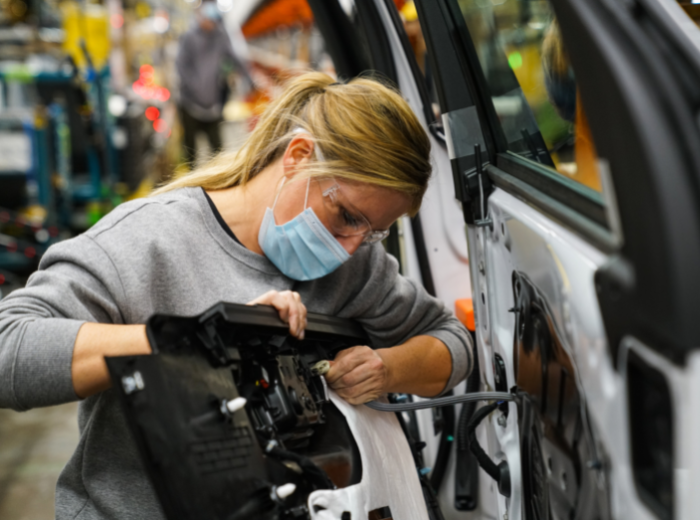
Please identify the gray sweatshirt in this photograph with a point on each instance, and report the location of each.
(169, 255)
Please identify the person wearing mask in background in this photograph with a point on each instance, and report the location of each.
(294, 219)
(204, 58)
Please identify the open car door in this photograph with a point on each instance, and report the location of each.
(573, 136)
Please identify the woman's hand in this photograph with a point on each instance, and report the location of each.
(289, 307)
(421, 366)
(358, 375)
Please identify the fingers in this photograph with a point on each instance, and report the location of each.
(263, 299)
(346, 361)
(289, 307)
(362, 393)
(358, 375)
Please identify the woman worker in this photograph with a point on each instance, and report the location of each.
(292, 220)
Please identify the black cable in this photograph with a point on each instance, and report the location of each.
(473, 382)
(444, 449)
(485, 461)
(440, 401)
(466, 486)
(315, 475)
(429, 495)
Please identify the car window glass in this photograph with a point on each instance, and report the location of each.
(532, 85)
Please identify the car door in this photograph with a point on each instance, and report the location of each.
(572, 133)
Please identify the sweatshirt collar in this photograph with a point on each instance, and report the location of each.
(231, 246)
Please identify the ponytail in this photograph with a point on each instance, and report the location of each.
(366, 130)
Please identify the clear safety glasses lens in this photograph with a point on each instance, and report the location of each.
(347, 222)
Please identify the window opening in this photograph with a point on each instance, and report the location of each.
(533, 85)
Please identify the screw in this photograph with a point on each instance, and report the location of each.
(133, 383)
(482, 269)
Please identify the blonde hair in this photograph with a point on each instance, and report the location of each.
(366, 131)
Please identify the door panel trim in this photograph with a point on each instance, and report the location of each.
(578, 197)
(586, 228)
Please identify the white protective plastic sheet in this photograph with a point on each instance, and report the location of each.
(389, 476)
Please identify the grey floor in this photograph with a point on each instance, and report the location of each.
(34, 447)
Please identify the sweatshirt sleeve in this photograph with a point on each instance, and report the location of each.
(76, 282)
(393, 309)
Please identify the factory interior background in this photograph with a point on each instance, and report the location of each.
(89, 119)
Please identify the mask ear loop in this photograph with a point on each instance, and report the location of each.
(279, 190)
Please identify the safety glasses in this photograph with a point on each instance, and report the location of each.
(344, 219)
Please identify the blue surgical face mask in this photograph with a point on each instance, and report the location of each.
(303, 249)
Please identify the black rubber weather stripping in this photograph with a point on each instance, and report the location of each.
(582, 225)
(340, 38)
(392, 244)
(377, 41)
(581, 198)
(433, 124)
(422, 254)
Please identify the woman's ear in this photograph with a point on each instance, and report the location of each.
(299, 151)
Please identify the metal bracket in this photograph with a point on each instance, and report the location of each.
(473, 179)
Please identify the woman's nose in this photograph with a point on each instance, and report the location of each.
(350, 244)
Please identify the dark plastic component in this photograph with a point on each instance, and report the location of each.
(198, 468)
(249, 324)
(466, 466)
(455, 78)
(652, 433)
(206, 462)
(634, 67)
(444, 447)
(501, 379)
(615, 283)
(499, 472)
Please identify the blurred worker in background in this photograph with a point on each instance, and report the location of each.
(204, 60)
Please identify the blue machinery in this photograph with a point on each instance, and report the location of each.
(59, 160)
